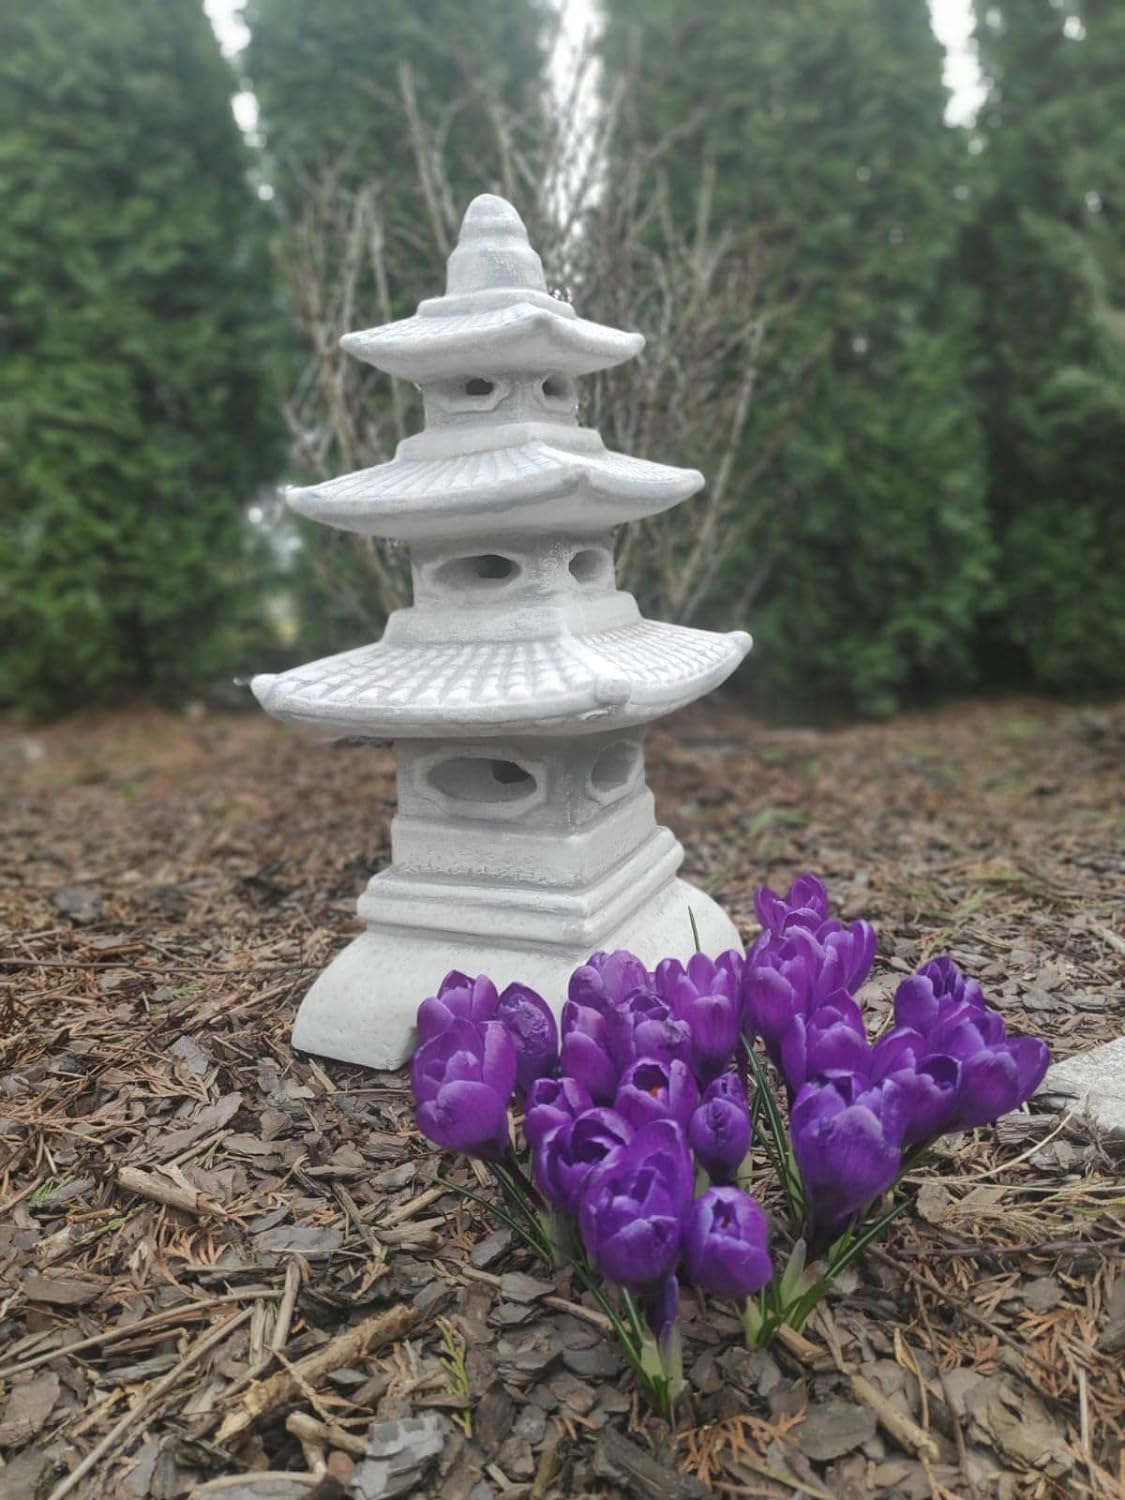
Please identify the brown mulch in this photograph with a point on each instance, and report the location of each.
(220, 1262)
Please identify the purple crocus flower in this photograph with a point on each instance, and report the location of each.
(928, 1094)
(832, 1040)
(534, 1032)
(458, 998)
(613, 1016)
(552, 1102)
(634, 1206)
(850, 949)
(655, 1090)
(462, 1081)
(644, 1025)
(719, 1130)
(901, 1047)
(805, 904)
(793, 974)
(936, 987)
(927, 1082)
(565, 1157)
(946, 1010)
(804, 908)
(607, 978)
(584, 1055)
(998, 1079)
(846, 1141)
(706, 996)
(725, 1244)
(784, 980)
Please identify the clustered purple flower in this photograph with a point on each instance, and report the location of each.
(620, 1106)
(639, 1091)
(858, 1109)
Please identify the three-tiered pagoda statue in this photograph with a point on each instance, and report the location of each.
(517, 687)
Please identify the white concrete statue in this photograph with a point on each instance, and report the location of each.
(517, 687)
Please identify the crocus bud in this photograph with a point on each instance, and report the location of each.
(997, 1079)
(633, 1207)
(805, 904)
(644, 1025)
(831, 1040)
(458, 998)
(706, 996)
(719, 1133)
(929, 1091)
(533, 1030)
(847, 1153)
(607, 978)
(462, 1081)
(725, 1244)
(584, 1054)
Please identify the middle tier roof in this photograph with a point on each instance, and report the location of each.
(570, 684)
(538, 485)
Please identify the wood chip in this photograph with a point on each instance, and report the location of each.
(27, 1408)
(61, 1291)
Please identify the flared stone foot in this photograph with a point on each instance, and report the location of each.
(362, 1007)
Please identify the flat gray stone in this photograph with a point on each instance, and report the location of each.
(1092, 1084)
(398, 1454)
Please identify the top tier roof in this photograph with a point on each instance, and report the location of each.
(496, 313)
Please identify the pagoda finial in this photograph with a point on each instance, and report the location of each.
(493, 250)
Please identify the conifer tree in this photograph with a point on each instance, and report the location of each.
(330, 78)
(1047, 251)
(823, 122)
(135, 420)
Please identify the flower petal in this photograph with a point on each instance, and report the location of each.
(468, 1117)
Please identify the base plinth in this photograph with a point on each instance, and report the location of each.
(362, 1008)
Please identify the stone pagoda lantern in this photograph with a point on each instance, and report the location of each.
(517, 687)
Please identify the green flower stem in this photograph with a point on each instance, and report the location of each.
(777, 1140)
(787, 1301)
(526, 1218)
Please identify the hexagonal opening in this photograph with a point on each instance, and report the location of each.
(591, 565)
(479, 778)
(483, 569)
(614, 768)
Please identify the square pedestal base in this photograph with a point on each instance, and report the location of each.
(362, 1008)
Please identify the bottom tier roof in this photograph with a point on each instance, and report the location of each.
(628, 675)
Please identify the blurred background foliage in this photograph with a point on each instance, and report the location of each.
(895, 346)
(138, 320)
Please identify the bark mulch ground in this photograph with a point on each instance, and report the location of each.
(221, 1262)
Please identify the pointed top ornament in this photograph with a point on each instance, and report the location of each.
(517, 685)
(493, 251)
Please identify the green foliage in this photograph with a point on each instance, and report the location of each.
(329, 82)
(823, 119)
(931, 471)
(1046, 251)
(134, 418)
(883, 555)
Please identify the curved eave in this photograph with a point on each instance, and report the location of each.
(418, 499)
(571, 684)
(518, 338)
